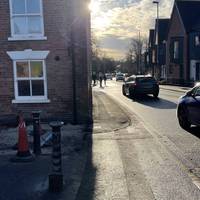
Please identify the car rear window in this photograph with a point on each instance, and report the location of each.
(146, 79)
(130, 79)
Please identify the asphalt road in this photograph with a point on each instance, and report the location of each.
(151, 159)
(159, 116)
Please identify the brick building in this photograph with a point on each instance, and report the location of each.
(45, 59)
(151, 52)
(162, 33)
(183, 44)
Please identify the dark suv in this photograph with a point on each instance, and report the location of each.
(140, 84)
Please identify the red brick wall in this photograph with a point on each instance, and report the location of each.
(58, 20)
(176, 30)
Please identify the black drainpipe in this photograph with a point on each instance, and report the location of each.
(73, 79)
(188, 60)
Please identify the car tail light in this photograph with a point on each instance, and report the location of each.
(133, 84)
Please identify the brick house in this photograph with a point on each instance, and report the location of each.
(45, 59)
(157, 48)
(183, 43)
(163, 25)
(151, 52)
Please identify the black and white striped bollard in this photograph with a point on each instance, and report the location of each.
(56, 177)
(36, 132)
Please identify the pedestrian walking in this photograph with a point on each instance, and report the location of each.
(104, 78)
(94, 78)
(100, 78)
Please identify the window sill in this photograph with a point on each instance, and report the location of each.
(31, 101)
(23, 38)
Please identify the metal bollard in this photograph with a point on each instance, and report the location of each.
(36, 132)
(56, 178)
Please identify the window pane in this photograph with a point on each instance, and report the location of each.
(18, 6)
(197, 40)
(22, 69)
(34, 25)
(33, 6)
(38, 88)
(19, 24)
(24, 88)
(36, 69)
(176, 48)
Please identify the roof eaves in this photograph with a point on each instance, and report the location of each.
(180, 18)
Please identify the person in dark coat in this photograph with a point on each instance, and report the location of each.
(100, 78)
(104, 78)
(94, 78)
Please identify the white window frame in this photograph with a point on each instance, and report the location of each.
(176, 49)
(28, 56)
(16, 37)
(197, 40)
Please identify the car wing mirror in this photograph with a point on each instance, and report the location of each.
(189, 93)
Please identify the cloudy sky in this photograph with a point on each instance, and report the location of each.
(114, 22)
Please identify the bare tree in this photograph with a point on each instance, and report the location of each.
(100, 61)
(95, 46)
(135, 55)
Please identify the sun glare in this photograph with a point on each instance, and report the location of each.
(94, 7)
(101, 23)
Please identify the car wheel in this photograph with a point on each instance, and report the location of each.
(131, 93)
(156, 94)
(123, 91)
(183, 118)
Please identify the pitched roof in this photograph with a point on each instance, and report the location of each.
(190, 14)
(163, 29)
(151, 37)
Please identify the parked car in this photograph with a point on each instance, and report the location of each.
(140, 84)
(120, 77)
(126, 75)
(188, 109)
(109, 76)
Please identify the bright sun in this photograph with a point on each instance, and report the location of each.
(94, 7)
(100, 20)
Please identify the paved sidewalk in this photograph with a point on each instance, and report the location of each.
(135, 163)
(175, 88)
(29, 181)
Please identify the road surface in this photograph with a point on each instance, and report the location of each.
(151, 158)
(159, 116)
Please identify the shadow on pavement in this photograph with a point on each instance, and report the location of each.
(108, 116)
(158, 103)
(87, 187)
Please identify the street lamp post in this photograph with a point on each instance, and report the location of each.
(139, 58)
(157, 26)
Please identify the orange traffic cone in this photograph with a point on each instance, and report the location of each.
(23, 154)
